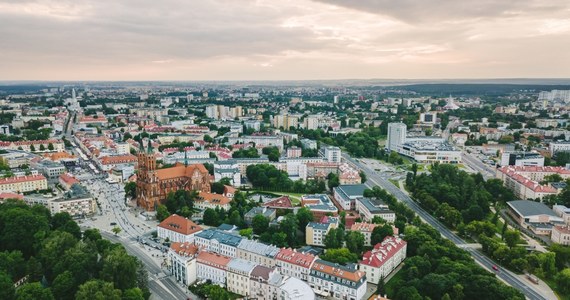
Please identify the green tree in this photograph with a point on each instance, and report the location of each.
(7, 290)
(355, 242)
(116, 230)
(120, 268)
(50, 147)
(341, 256)
(563, 281)
(247, 233)
(131, 190)
(511, 237)
(42, 147)
(64, 286)
(259, 223)
(235, 218)
(290, 226)
(33, 291)
(97, 290)
(304, 216)
(32, 148)
(279, 239)
(210, 217)
(379, 233)
(162, 213)
(133, 294)
(19, 226)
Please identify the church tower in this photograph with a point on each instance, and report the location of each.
(147, 193)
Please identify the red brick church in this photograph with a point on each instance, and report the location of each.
(153, 185)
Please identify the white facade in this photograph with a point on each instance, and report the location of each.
(396, 136)
(384, 258)
(333, 154)
(561, 235)
(558, 146)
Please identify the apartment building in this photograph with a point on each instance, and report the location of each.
(176, 228)
(315, 232)
(212, 266)
(181, 262)
(384, 258)
(218, 241)
(336, 281)
(238, 276)
(22, 184)
(295, 264)
(258, 253)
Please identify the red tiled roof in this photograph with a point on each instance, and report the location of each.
(68, 179)
(213, 198)
(297, 258)
(184, 249)
(281, 202)
(383, 251)
(213, 259)
(118, 159)
(9, 195)
(180, 224)
(22, 179)
(353, 276)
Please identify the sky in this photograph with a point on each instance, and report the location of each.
(283, 39)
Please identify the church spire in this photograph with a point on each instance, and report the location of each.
(185, 157)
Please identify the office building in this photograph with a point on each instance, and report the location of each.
(396, 136)
(333, 154)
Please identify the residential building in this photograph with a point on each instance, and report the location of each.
(293, 152)
(558, 146)
(524, 181)
(428, 117)
(369, 208)
(107, 163)
(346, 195)
(207, 200)
(22, 184)
(37, 146)
(238, 276)
(309, 144)
(212, 266)
(348, 175)
(176, 228)
(522, 159)
(77, 202)
(320, 205)
(227, 169)
(264, 283)
(384, 258)
(182, 262)
(285, 121)
(260, 141)
(336, 281)
(257, 252)
(269, 213)
(333, 154)
(218, 241)
(561, 235)
(315, 232)
(66, 180)
(563, 212)
(49, 168)
(294, 264)
(366, 230)
(282, 202)
(396, 136)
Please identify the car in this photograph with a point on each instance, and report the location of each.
(113, 223)
(495, 268)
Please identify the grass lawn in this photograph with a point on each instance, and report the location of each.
(395, 182)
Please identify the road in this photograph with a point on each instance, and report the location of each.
(510, 278)
(161, 285)
(477, 165)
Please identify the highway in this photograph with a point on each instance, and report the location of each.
(374, 179)
(477, 165)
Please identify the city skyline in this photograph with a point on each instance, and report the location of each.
(293, 40)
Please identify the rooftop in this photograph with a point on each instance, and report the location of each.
(351, 190)
(382, 252)
(180, 224)
(184, 249)
(349, 272)
(258, 248)
(241, 265)
(293, 257)
(220, 236)
(527, 208)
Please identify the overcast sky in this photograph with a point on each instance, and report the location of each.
(280, 39)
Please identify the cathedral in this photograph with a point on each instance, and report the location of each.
(153, 185)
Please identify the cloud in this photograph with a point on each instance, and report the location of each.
(266, 39)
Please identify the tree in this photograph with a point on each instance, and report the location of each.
(511, 237)
(131, 190)
(218, 187)
(563, 281)
(32, 148)
(116, 230)
(340, 256)
(247, 233)
(279, 239)
(379, 233)
(331, 241)
(210, 217)
(162, 213)
(50, 147)
(133, 294)
(6, 286)
(20, 225)
(120, 269)
(33, 291)
(235, 218)
(259, 224)
(290, 226)
(97, 290)
(64, 286)
(355, 242)
(42, 147)
(363, 177)
(304, 216)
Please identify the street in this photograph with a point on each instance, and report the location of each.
(375, 179)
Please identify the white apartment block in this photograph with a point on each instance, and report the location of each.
(561, 235)
(257, 252)
(333, 154)
(176, 228)
(23, 184)
(181, 262)
(383, 258)
(396, 136)
(212, 266)
(238, 277)
(558, 146)
(336, 281)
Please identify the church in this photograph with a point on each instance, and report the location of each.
(153, 185)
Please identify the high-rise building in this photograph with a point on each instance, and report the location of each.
(332, 154)
(396, 135)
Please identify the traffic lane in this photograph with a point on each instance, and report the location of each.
(483, 260)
